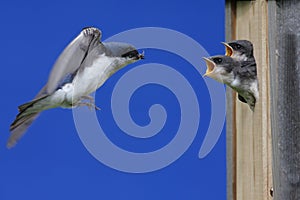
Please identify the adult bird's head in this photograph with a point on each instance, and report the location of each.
(220, 68)
(242, 50)
(125, 53)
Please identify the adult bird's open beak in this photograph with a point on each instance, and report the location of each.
(210, 66)
(142, 55)
(229, 50)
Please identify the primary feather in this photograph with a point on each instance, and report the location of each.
(83, 66)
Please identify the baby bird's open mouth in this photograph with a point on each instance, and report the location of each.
(210, 66)
(229, 50)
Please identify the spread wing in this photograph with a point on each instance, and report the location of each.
(73, 56)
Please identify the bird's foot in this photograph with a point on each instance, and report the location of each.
(91, 104)
(89, 98)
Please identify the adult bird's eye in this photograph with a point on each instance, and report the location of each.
(130, 54)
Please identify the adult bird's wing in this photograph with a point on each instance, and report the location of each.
(73, 56)
(68, 62)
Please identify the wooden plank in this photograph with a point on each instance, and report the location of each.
(230, 115)
(284, 22)
(272, 62)
(253, 133)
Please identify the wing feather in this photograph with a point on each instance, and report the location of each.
(73, 56)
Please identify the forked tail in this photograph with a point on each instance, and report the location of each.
(19, 127)
(28, 112)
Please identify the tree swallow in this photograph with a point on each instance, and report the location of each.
(237, 75)
(242, 50)
(84, 65)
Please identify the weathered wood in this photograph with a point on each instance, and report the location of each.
(230, 115)
(253, 132)
(284, 23)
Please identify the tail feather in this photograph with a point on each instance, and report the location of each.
(18, 128)
(27, 114)
(23, 107)
(27, 105)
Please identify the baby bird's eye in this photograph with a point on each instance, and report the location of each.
(238, 46)
(218, 60)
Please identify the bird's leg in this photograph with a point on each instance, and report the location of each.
(91, 104)
(91, 99)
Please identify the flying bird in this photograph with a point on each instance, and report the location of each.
(236, 75)
(242, 50)
(83, 66)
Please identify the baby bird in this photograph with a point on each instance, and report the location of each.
(236, 75)
(242, 50)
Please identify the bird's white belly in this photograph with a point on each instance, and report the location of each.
(92, 77)
(236, 82)
(254, 88)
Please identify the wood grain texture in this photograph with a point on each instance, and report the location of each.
(230, 25)
(284, 23)
(253, 130)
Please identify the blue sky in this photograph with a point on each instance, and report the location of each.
(50, 161)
